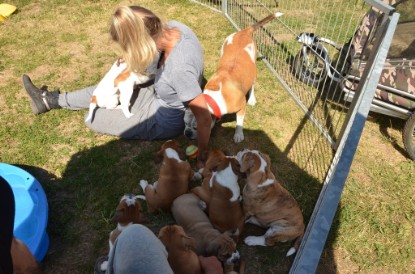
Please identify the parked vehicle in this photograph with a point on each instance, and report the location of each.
(395, 93)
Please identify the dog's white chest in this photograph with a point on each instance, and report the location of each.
(229, 179)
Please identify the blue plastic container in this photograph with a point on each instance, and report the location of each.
(31, 216)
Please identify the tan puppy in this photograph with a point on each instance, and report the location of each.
(128, 212)
(23, 260)
(209, 241)
(175, 174)
(221, 193)
(226, 91)
(182, 258)
(268, 204)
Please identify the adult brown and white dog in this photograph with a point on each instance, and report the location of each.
(128, 212)
(221, 192)
(268, 204)
(174, 176)
(116, 89)
(227, 89)
(180, 248)
(188, 214)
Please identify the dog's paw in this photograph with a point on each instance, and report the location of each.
(238, 137)
(143, 184)
(104, 266)
(255, 240)
(202, 205)
(234, 258)
(128, 115)
(291, 251)
(197, 176)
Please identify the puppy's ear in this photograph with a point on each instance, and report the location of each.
(119, 215)
(226, 248)
(181, 153)
(268, 161)
(188, 242)
(159, 156)
(137, 215)
(248, 161)
(236, 167)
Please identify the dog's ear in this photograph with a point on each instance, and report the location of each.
(188, 242)
(137, 215)
(226, 247)
(248, 162)
(159, 156)
(181, 153)
(215, 160)
(118, 215)
(236, 167)
(268, 162)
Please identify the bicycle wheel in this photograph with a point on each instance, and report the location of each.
(310, 68)
(408, 136)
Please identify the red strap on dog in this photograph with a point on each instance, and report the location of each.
(213, 105)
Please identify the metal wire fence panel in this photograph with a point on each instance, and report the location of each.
(311, 50)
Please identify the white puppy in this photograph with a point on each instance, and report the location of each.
(115, 89)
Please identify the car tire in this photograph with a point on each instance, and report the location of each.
(408, 136)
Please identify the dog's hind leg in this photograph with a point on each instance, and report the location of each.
(251, 97)
(126, 92)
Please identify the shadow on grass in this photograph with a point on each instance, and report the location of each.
(83, 200)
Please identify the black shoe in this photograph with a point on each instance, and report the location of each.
(40, 100)
(98, 263)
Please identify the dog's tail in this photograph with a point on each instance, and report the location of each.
(295, 246)
(92, 107)
(265, 20)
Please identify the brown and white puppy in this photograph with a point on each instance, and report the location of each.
(175, 174)
(116, 89)
(23, 260)
(128, 212)
(221, 193)
(209, 241)
(181, 257)
(227, 89)
(268, 204)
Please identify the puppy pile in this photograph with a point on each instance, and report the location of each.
(210, 217)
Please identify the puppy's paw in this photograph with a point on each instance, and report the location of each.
(104, 266)
(128, 115)
(197, 176)
(202, 205)
(143, 184)
(234, 258)
(255, 240)
(291, 251)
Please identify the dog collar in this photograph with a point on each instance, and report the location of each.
(213, 105)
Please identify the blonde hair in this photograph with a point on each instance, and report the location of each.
(134, 29)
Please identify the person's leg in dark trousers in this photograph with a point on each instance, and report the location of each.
(7, 211)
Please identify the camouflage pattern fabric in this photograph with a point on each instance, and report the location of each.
(399, 69)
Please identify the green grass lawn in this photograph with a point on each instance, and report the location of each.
(65, 45)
